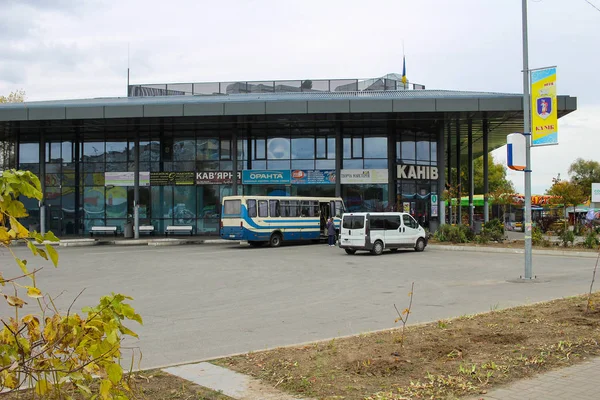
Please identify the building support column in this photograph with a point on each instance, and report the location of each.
(43, 181)
(449, 174)
(391, 153)
(470, 170)
(441, 174)
(234, 157)
(79, 215)
(136, 182)
(458, 183)
(486, 188)
(339, 154)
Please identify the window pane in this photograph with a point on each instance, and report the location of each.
(116, 202)
(392, 223)
(274, 208)
(377, 223)
(184, 149)
(331, 148)
(184, 205)
(162, 202)
(225, 149)
(93, 202)
(93, 152)
(325, 164)
(251, 208)
(357, 148)
(303, 148)
(347, 148)
(67, 152)
(423, 151)
(282, 164)
(263, 208)
(408, 150)
(375, 147)
(232, 207)
(378, 163)
(278, 149)
(116, 152)
(54, 152)
(321, 148)
(29, 153)
(434, 153)
(353, 164)
(303, 164)
(259, 149)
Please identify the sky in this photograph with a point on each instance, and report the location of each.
(69, 49)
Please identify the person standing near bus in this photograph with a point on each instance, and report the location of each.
(331, 232)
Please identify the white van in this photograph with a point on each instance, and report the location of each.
(377, 231)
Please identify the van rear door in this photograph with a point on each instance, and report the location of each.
(353, 231)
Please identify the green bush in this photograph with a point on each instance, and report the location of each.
(494, 230)
(591, 241)
(567, 236)
(537, 236)
(454, 234)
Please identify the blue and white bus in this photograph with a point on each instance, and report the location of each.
(272, 219)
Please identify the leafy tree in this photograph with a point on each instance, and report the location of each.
(55, 354)
(17, 96)
(567, 193)
(584, 173)
(496, 176)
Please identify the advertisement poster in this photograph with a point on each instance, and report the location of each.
(544, 119)
(406, 207)
(125, 179)
(434, 205)
(216, 178)
(257, 177)
(357, 176)
(172, 178)
(313, 177)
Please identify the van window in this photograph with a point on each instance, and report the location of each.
(232, 207)
(251, 208)
(392, 222)
(354, 222)
(377, 223)
(263, 208)
(409, 221)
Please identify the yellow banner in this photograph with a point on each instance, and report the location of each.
(544, 118)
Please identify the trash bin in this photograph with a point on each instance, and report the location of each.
(128, 230)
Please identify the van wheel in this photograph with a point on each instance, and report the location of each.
(394, 250)
(275, 240)
(377, 248)
(350, 251)
(420, 246)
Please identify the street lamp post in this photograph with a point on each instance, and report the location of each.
(527, 133)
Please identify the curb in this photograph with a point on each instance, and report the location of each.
(484, 249)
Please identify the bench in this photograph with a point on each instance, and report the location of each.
(149, 229)
(179, 228)
(103, 229)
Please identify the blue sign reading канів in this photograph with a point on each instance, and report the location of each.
(255, 177)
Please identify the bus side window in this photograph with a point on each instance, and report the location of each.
(251, 208)
(263, 208)
(274, 208)
(313, 210)
(304, 209)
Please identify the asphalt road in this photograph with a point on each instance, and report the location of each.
(201, 301)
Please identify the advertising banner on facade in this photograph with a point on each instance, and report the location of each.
(313, 177)
(173, 178)
(125, 179)
(216, 178)
(544, 119)
(258, 177)
(358, 176)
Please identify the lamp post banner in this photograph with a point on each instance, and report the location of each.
(544, 119)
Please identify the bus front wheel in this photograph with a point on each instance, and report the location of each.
(275, 240)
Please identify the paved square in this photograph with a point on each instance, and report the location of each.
(204, 301)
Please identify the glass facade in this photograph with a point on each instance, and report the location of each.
(78, 156)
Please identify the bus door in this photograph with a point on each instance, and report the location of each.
(325, 214)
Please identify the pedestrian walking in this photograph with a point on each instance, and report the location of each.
(331, 232)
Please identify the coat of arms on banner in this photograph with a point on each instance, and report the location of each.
(544, 107)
